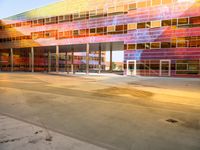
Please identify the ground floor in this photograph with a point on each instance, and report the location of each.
(92, 58)
(164, 67)
(112, 112)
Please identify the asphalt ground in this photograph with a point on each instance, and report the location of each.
(112, 112)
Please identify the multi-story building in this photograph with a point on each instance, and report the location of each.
(159, 37)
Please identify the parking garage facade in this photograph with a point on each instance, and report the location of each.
(158, 37)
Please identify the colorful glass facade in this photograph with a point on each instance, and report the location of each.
(159, 37)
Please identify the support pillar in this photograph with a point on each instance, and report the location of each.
(99, 58)
(32, 59)
(111, 49)
(72, 61)
(66, 63)
(49, 61)
(11, 59)
(0, 62)
(57, 58)
(87, 58)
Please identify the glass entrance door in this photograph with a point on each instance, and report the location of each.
(131, 67)
(165, 68)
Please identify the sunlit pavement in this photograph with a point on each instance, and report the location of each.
(112, 112)
(16, 134)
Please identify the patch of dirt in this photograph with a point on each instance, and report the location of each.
(34, 141)
(141, 84)
(193, 124)
(3, 90)
(118, 91)
(9, 140)
(172, 121)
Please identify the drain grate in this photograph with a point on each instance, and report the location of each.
(172, 121)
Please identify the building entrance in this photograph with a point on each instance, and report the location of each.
(131, 67)
(165, 68)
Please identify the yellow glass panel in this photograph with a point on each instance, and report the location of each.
(120, 8)
(141, 4)
(131, 46)
(166, 1)
(156, 2)
(132, 6)
(132, 26)
(155, 45)
(111, 10)
(155, 24)
(111, 28)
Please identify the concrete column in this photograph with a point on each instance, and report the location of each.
(11, 60)
(87, 57)
(49, 61)
(66, 63)
(99, 58)
(32, 59)
(57, 58)
(0, 62)
(72, 61)
(111, 69)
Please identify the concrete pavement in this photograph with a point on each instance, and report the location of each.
(18, 135)
(112, 112)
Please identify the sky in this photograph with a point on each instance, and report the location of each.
(13, 7)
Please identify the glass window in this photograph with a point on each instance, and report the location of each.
(41, 21)
(173, 43)
(155, 45)
(198, 43)
(93, 31)
(166, 1)
(93, 13)
(125, 46)
(60, 35)
(34, 23)
(182, 21)
(141, 46)
(166, 22)
(165, 44)
(156, 2)
(131, 46)
(100, 30)
(132, 26)
(61, 18)
(193, 66)
(147, 45)
(142, 4)
(155, 24)
(76, 16)
(132, 6)
(68, 17)
(83, 15)
(148, 24)
(76, 32)
(141, 25)
(68, 34)
(100, 13)
(111, 10)
(120, 8)
(195, 20)
(181, 66)
(83, 32)
(174, 22)
(47, 34)
(182, 43)
(54, 19)
(119, 28)
(192, 43)
(110, 28)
